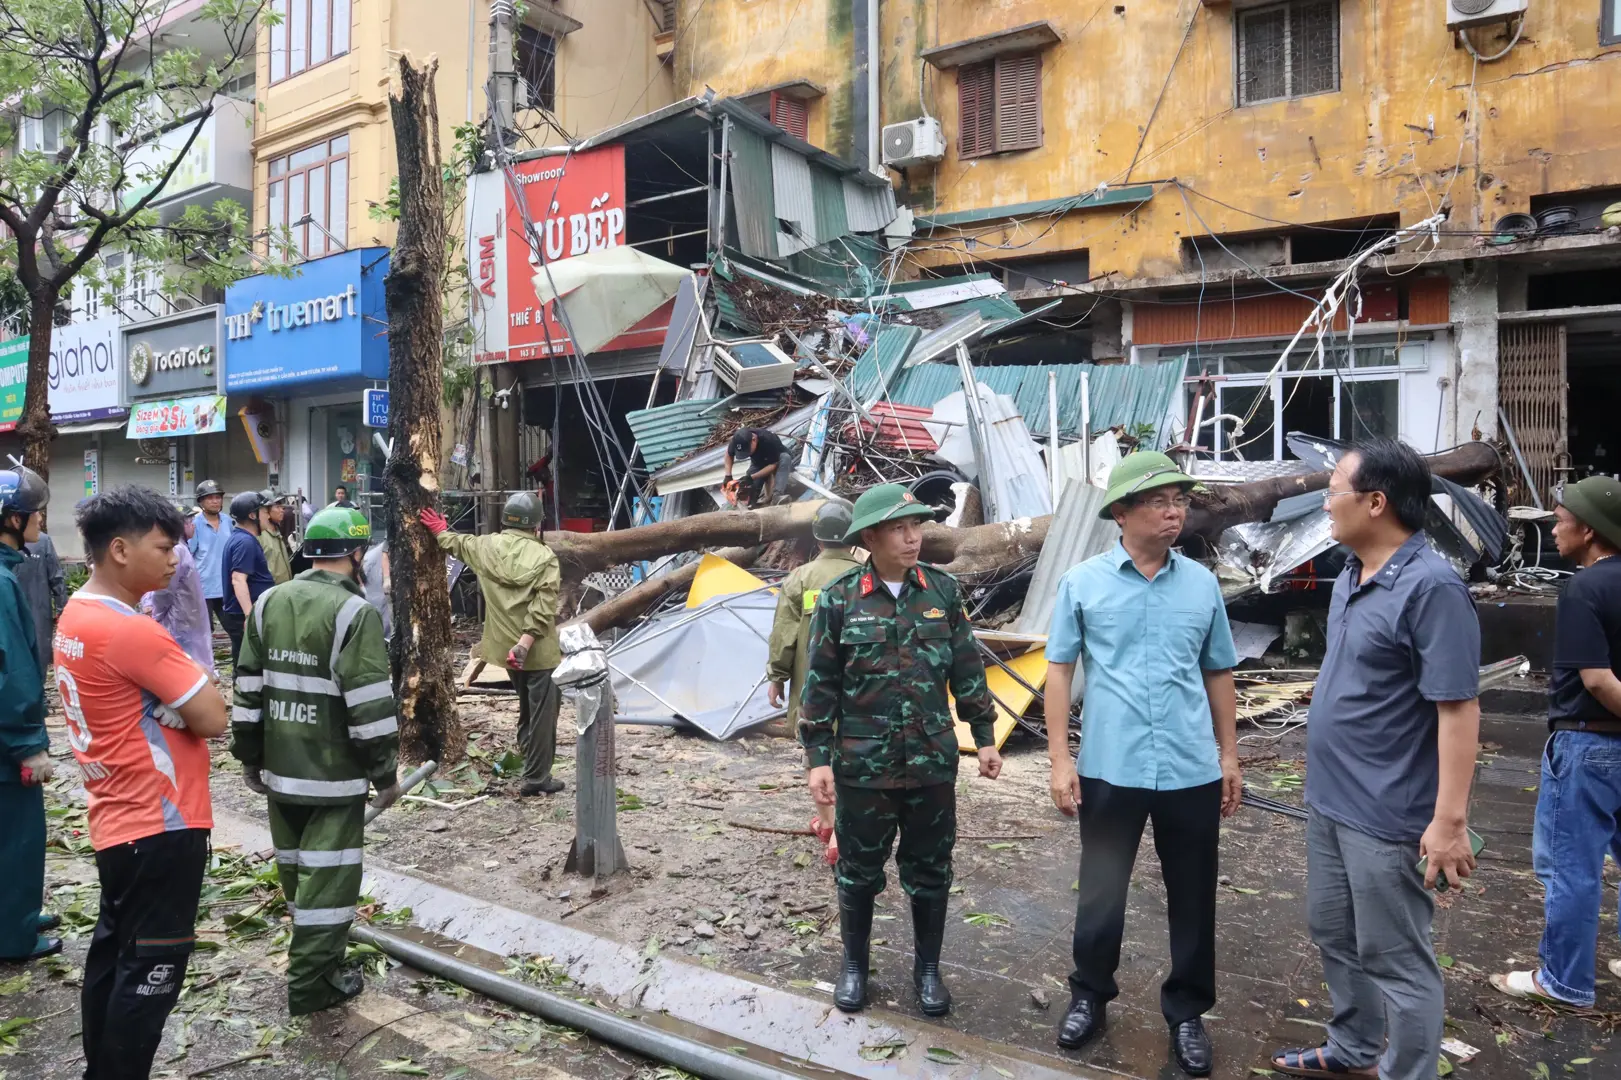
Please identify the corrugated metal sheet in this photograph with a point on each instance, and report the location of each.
(729, 313)
(1075, 535)
(995, 310)
(1073, 461)
(938, 293)
(942, 339)
(796, 203)
(669, 432)
(868, 209)
(1018, 481)
(875, 372)
(753, 198)
(1122, 394)
(828, 191)
(900, 427)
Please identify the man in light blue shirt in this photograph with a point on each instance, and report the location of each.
(1158, 742)
(207, 545)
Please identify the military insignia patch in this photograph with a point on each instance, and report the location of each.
(934, 613)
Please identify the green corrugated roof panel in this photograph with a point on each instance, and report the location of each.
(670, 432)
(728, 312)
(878, 365)
(1122, 394)
(992, 308)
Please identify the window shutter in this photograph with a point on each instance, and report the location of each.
(790, 114)
(976, 110)
(1018, 102)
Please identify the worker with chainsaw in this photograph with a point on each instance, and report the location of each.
(25, 759)
(314, 726)
(786, 656)
(520, 579)
(770, 466)
(889, 641)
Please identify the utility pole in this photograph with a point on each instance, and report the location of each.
(504, 409)
(503, 79)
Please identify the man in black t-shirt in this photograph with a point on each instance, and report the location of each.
(244, 574)
(1579, 799)
(770, 464)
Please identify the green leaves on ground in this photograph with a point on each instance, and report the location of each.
(985, 918)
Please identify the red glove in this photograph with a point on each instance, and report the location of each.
(433, 521)
(516, 656)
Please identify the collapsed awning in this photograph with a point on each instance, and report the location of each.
(605, 293)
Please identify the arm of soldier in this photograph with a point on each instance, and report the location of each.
(362, 674)
(819, 701)
(248, 697)
(974, 704)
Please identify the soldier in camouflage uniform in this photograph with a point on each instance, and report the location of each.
(888, 640)
(790, 630)
(314, 727)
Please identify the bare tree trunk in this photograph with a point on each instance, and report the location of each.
(630, 604)
(35, 429)
(422, 648)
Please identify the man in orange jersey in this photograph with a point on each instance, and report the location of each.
(139, 712)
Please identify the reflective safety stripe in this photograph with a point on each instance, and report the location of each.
(374, 730)
(286, 785)
(370, 692)
(243, 715)
(340, 630)
(250, 683)
(323, 916)
(810, 600)
(304, 684)
(320, 860)
(287, 855)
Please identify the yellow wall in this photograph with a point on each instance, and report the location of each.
(596, 67)
(1544, 119)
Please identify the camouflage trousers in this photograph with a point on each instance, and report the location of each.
(866, 821)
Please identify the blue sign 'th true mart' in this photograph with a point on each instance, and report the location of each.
(328, 321)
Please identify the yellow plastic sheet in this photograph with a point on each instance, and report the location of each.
(1032, 668)
(717, 577)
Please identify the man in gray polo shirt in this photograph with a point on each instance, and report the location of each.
(1390, 755)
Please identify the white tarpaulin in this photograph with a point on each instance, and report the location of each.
(605, 293)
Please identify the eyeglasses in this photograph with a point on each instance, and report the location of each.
(1162, 503)
(1328, 495)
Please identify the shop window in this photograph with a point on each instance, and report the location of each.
(999, 105)
(1369, 408)
(309, 198)
(310, 33)
(1288, 50)
(535, 58)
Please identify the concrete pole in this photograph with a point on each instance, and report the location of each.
(875, 160)
(503, 79)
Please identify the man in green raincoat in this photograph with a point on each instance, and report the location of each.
(520, 579)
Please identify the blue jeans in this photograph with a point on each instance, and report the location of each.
(1578, 813)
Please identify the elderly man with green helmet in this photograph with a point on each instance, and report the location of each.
(890, 645)
(315, 728)
(786, 654)
(520, 579)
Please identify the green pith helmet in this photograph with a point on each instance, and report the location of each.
(522, 511)
(336, 531)
(1141, 472)
(831, 523)
(886, 502)
(1596, 502)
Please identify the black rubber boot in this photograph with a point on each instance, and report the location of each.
(929, 932)
(855, 929)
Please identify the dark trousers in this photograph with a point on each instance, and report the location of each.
(138, 953)
(1187, 829)
(866, 821)
(234, 625)
(22, 867)
(538, 703)
(216, 608)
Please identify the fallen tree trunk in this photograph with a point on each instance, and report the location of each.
(980, 549)
(630, 604)
(1224, 506)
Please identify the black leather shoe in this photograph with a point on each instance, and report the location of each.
(929, 934)
(1191, 1045)
(1082, 1024)
(548, 786)
(49, 922)
(855, 930)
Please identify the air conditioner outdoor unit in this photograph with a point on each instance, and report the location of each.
(1462, 14)
(914, 142)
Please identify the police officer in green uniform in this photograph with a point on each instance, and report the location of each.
(888, 640)
(520, 579)
(314, 726)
